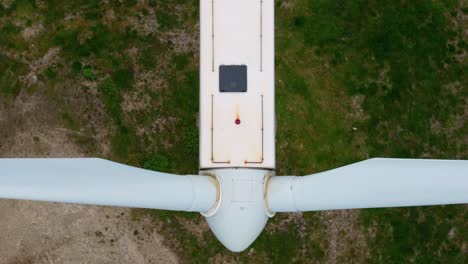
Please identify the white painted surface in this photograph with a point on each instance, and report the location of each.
(241, 215)
(102, 182)
(237, 27)
(371, 184)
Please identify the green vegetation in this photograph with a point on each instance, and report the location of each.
(51, 73)
(88, 73)
(123, 138)
(418, 234)
(111, 98)
(354, 79)
(123, 78)
(76, 67)
(69, 121)
(396, 57)
(9, 36)
(9, 72)
(158, 163)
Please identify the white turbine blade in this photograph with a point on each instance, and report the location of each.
(373, 183)
(102, 182)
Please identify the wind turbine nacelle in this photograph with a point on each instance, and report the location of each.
(237, 114)
(237, 84)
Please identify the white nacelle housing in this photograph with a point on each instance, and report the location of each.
(237, 118)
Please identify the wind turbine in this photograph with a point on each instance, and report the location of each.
(237, 190)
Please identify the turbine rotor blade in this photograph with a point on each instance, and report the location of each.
(373, 183)
(102, 182)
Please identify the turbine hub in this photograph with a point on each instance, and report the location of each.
(241, 213)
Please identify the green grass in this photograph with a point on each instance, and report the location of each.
(88, 72)
(10, 36)
(123, 78)
(76, 67)
(422, 235)
(69, 121)
(123, 140)
(9, 72)
(100, 42)
(394, 56)
(51, 73)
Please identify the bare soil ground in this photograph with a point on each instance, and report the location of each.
(39, 232)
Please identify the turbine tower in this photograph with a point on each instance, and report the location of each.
(236, 189)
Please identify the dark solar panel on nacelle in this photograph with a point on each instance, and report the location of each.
(233, 78)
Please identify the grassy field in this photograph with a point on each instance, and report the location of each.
(354, 79)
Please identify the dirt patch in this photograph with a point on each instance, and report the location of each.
(196, 229)
(144, 25)
(451, 128)
(38, 232)
(347, 242)
(51, 57)
(7, 3)
(159, 125)
(357, 112)
(182, 41)
(20, 126)
(223, 258)
(287, 4)
(84, 102)
(151, 80)
(109, 16)
(135, 101)
(32, 31)
(296, 219)
(41, 142)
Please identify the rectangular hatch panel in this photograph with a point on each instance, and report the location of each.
(233, 78)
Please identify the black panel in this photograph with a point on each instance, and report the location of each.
(233, 78)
